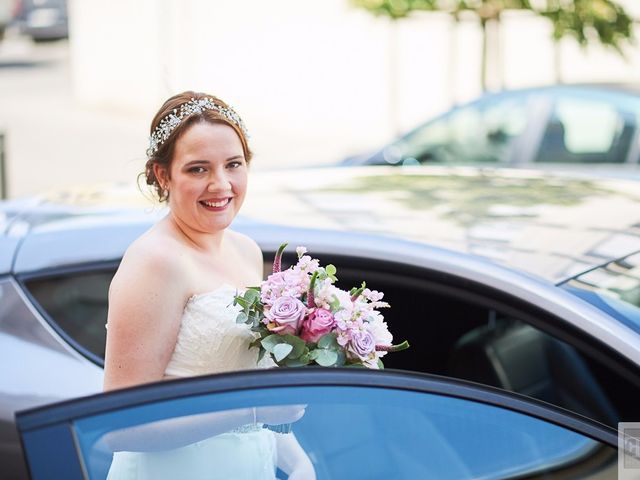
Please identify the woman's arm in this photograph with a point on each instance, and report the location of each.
(146, 299)
(292, 459)
(177, 432)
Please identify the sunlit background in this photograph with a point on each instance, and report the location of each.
(314, 81)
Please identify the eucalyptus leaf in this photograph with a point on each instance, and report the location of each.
(281, 350)
(313, 354)
(271, 341)
(326, 358)
(295, 362)
(261, 354)
(251, 296)
(241, 301)
(297, 343)
(342, 358)
(380, 364)
(241, 318)
(328, 340)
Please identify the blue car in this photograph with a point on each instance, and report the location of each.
(569, 127)
(517, 291)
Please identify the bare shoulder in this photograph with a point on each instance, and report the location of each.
(248, 248)
(151, 260)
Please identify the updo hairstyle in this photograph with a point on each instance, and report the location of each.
(164, 154)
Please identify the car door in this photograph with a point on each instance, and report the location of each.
(357, 424)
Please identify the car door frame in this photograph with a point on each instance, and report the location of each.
(51, 448)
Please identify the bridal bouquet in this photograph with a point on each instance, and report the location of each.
(302, 318)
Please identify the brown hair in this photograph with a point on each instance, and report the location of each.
(164, 155)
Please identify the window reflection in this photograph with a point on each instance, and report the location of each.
(349, 432)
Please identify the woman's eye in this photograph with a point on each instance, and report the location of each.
(234, 164)
(197, 170)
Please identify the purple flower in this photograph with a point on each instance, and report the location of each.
(319, 323)
(286, 315)
(361, 344)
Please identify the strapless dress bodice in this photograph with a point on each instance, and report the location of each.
(210, 340)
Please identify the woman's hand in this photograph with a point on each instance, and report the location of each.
(280, 414)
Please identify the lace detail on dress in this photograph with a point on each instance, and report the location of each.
(210, 340)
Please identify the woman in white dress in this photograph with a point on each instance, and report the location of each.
(169, 304)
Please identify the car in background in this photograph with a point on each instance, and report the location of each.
(577, 127)
(524, 283)
(43, 20)
(8, 9)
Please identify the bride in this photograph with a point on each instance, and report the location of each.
(170, 312)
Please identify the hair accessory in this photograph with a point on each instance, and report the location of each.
(192, 107)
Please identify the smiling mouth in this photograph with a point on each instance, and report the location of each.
(216, 203)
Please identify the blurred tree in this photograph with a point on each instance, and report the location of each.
(588, 20)
(585, 20)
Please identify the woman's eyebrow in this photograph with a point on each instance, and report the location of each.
(235, 157)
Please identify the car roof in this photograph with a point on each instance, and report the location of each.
(548, 224)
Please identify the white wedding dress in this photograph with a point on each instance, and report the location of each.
(209, 341)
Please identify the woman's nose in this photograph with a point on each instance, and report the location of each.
(218, 181)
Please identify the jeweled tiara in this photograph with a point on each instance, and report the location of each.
(193, 106)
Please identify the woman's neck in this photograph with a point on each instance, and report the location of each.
(203, 241)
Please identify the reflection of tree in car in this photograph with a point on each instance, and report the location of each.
(471, 198)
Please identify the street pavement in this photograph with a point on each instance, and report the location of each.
(51, 141)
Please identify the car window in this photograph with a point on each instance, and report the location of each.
(76, 303)
(346, 431)
(453, 334)
(481, 133)
(586, 131)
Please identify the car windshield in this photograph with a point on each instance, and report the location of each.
(613, 288)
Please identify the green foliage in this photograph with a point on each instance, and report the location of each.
(331, 272)
(585, 20)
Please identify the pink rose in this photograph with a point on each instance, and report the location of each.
(285, 315)
(319, 323)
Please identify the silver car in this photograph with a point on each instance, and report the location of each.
(526, 282)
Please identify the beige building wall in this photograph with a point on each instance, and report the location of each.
(315, 81)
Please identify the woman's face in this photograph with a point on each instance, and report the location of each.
(208, 177)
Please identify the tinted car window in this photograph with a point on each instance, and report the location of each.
(587, 131)
(77, 305)
(478, 133)
(349, 432)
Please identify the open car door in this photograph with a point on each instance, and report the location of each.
(356, 424)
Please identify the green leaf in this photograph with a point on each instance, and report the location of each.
(241, 318)
(326, 358)
(295, 362)
(331, 272)
(342, 358)
(355, 365)
(313, 354)
(281, 350)
(328, 340)
(271, 341)
(380, 364)
(251, 296)
(241, 301)
(297, 343)
(261, 354)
